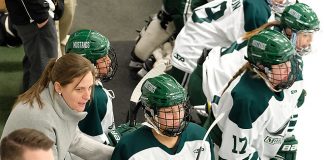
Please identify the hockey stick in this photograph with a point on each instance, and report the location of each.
(208, 131)
(134, 99)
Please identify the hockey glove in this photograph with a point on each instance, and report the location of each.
(115, 135)
(288, 150)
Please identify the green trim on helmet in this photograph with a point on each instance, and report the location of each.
(269, 47)
(300, 17)
(88, 43)
(162, 91)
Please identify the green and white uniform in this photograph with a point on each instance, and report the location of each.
(220, 66)
(142, 145)
(256, 119)
(217, 23)
(100, 118)
(217, 70)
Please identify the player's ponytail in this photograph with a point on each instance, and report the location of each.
(248, 35)
(239, 72)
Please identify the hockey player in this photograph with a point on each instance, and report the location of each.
(299, 23)
(221, 63)
(259, 102)
(160, 29)
(166, 134)
(212, 74)
(96, 48)
(217, 23)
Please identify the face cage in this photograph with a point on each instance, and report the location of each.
(293, 39)
(284, 84)
(181, 122)
(111, 68)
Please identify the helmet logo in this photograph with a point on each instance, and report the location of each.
(294, 13)
(149, 86)
(259, 44)
(81, 44)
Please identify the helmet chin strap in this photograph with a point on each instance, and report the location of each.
(149, 123)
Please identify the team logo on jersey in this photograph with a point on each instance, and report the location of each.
(293, 91)
(178, 57)
(273, 140)
(199, 149)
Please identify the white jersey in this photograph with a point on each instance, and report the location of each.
(256, 119)
(220, 66)
(217, 23)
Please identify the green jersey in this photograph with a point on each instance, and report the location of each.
(100, 118)
(142, 145)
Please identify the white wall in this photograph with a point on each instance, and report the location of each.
(309, 129)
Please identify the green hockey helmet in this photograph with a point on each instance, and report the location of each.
(163, 95)
(300, 16)
(162, 91)
(303, 22)
(94, 46)
(270, 48)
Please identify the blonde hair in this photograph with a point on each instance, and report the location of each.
(62, 70)
(248, 35)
